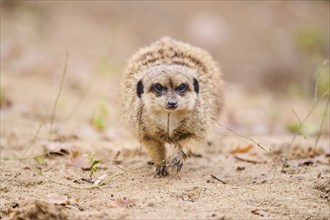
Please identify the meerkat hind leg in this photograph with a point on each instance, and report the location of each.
(157, 152)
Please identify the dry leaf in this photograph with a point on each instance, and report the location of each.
(54, 198)
(121, 202)
(323, 159)
(260, 213)
(214, 177)
(310, 161)
(75, 152)
(241, 150)
(57, 148)
(247, 158)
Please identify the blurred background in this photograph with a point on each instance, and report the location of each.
(279, 48)
(278, 45)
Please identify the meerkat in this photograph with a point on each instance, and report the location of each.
(172, 93)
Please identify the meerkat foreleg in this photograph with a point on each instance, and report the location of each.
(177, 161)
(185, 148)
(157, 152)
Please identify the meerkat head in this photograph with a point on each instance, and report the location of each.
(171, 88)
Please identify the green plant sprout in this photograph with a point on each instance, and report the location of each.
(40, 160)
(93, 168)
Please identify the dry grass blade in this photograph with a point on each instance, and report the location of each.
(246, 137)
(322, 122)
(64, 184)
(301, 122)
(35, 137)
(318, 78)
(255, 142)
(58, 95)
(108, 179)
(216, 178)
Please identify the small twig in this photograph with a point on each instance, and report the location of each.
(35, 136)
(295, 114)
(58, 96)
(70, 186)
(301, 123)
(299, 127)
(214, 177)
(246, 137)
(131, 170)
(102, 183)
(122, 168)
(258, 144)
(322, 122)
(326, 62)
(124, 171)
(107, 180)
(63, 184)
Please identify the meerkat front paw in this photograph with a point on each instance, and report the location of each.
(161, 171)
(177, 161)
(176, 164)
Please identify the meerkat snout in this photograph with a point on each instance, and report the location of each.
(172, 103)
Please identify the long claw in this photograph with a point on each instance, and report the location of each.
(177, 161)
(161, 171)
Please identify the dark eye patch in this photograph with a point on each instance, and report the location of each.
(196, 86)
(139, 88)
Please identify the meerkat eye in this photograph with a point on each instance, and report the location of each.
(182, 88)
(158, 88)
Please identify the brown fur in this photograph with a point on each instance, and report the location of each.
(171, 63)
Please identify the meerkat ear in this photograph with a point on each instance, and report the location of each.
(196, 85)
(139, 88)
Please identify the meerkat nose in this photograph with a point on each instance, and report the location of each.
(172, 104)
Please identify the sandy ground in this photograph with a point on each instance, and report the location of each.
(49, 129)
(218, 183)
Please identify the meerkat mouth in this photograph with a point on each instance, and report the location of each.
(170, 109)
